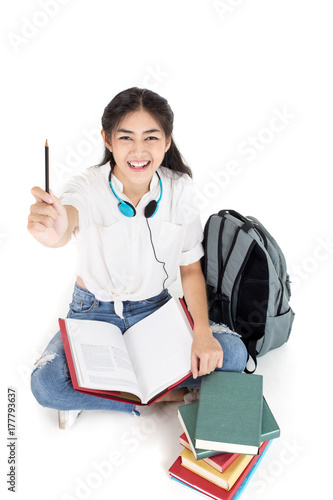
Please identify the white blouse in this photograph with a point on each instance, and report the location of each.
(117, 261)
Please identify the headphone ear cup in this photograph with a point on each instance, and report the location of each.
(127, 209)
(151, 209)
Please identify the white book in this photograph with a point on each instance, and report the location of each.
(139, 366)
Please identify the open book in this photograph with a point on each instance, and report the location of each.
(139, 366)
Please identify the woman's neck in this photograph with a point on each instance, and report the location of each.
(133, 191)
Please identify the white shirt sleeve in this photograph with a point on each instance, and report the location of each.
(192, 255)
(192, 248)
(76, 193)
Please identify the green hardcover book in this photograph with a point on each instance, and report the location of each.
(187, 415)
(269, 426)
(230, 413)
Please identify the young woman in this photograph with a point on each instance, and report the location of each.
(137, 224)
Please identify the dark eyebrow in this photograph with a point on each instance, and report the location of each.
(152, 131)
(124, 131)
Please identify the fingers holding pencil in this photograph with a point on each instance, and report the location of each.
(47, 221)
(41, 196)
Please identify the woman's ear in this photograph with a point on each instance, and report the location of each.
(168, 143)
(106, 140)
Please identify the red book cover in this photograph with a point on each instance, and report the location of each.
(184, 475)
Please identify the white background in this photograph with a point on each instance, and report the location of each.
(227, 68)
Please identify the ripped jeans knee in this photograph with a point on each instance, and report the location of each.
(44, 376)
(46, 357)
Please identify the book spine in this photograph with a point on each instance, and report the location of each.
(188, 315)
(65, 341)
(251, 473)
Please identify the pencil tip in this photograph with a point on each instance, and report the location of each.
(46, 144)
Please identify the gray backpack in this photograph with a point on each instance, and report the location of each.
(247, 282)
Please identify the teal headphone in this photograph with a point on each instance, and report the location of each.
(127, 208)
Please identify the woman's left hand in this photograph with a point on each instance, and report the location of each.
(207, 353)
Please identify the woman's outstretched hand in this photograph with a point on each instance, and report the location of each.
(48, 219)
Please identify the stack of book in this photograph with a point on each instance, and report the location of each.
(226, 434)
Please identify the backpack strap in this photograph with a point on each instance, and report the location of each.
(236, 260)
(252, 352)
(239, 253)
(237, 215)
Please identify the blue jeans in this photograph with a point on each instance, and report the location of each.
(50, 380)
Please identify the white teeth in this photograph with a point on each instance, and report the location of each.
(138, 164)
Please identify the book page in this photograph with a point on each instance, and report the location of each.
(160, 348)
(100, 356)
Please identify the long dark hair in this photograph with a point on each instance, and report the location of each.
(134, 99)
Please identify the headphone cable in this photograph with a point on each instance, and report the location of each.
(161, 262)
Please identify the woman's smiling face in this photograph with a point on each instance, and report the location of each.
(138, 146)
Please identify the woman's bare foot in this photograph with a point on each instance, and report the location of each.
(176, 395)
